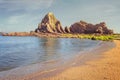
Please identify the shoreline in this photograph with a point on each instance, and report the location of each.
(78, 61)
(103, 37)
(105, 68)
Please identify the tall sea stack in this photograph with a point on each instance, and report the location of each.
(50, 24)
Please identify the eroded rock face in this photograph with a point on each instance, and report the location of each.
(67, 29)
(50, 24)
(77, 27)
(88, 28)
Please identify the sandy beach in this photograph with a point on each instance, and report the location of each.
(59, 40)
(105, 68)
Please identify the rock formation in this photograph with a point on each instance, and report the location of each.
(88, 28)
(67, 29)
(78, 27)
(17, 34)
(50, 24)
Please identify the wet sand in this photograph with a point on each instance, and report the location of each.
(105, 66)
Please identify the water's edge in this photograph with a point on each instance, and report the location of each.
(79, 59)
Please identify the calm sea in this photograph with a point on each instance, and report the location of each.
(22, 51)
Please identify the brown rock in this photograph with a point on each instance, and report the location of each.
(104, 27)
(59, 27)
(78, 28)
(67, 30)
(50, 24)
(88, 28)
(99, 30)
(17, 34)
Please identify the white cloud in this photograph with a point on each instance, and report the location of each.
(11, 5)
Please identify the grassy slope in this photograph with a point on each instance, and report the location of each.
(92, 36)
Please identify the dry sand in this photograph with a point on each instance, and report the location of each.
(106, 68)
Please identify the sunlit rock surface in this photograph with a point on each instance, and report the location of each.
(50, 24)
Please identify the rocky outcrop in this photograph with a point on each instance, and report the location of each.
(103, 29)
(50, 24)
(88, 28)
(51, 27)
(78, 27)
(17, 34)
(67, 29)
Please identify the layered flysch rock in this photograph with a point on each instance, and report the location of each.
(88, 28)
(50, 24)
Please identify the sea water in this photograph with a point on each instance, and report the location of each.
(21, 51)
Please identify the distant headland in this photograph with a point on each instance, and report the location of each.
(51, 27)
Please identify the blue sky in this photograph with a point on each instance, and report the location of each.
(24, 15)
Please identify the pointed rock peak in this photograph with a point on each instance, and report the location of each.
(50, 24)
(50, 13)
(49, 17)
